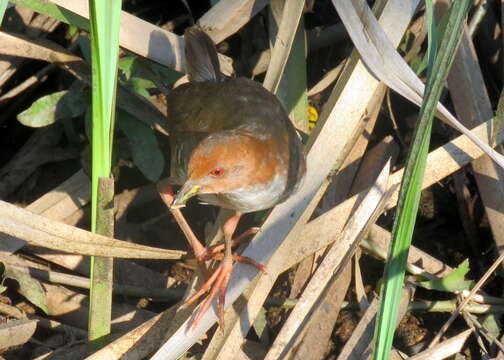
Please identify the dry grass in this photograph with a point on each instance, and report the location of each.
(45, 195)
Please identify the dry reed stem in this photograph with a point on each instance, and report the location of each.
(366, 213)
(460, 151)
(472, 104)
(445, 349)
(227, 16)
(41, 231)
(146, 39)
(321, 321)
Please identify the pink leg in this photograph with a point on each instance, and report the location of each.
(218, 281)
(201, 253)
(213, 251)
(166, 193)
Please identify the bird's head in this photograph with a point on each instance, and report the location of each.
(227, 161)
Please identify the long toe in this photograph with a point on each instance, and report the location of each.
(204, 288)
(227, 269)
(218, 284)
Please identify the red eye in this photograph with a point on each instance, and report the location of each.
(217, 172)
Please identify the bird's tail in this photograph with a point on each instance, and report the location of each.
(202, 62)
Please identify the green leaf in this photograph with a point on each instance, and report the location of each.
(292, 88)
(432, 45)
(59, 105)
(105, 20)
(454, 281)
(105, 17)
(28, 287)
(420, 65)
(140, 86)
(409, 193)
(72, 31)
(261, 327)
(145, 150)
(3, 7)
(498, 117)
(491, 323)
(126, 64)
(85, 47)
(165, 74)
(88, 122)
(140, 74)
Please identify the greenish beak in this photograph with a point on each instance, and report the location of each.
(185, 193)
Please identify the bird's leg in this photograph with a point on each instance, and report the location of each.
(166, 193)
(219, 280)
(215, 251)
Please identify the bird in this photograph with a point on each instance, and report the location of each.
(232, 145)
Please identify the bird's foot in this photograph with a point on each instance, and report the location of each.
(217, 284)
(215, 251)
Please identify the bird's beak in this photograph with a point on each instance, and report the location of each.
(185, 193)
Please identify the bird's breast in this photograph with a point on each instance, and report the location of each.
(250, 198)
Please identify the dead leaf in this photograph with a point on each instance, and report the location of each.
(28, 287)
(16, 332)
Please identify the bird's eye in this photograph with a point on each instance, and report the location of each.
(217, 172)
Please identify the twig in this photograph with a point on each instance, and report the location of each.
(33, 25)
(394, 121)
(168, 294)
(478, 17)
(483, 330)
(286, 32)
(58, 326)
(445, 349)
(316, 39)
(38, 78)
(102, 268)
(11, 311)
(358, 347)
(451, 305)
(46, 323)
(44, 232)
(228, 16)
(41, 148)
(464, 302)
(145, 39)
(139, 107)
(328, 78)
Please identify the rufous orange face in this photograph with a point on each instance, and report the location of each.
(223, 163)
